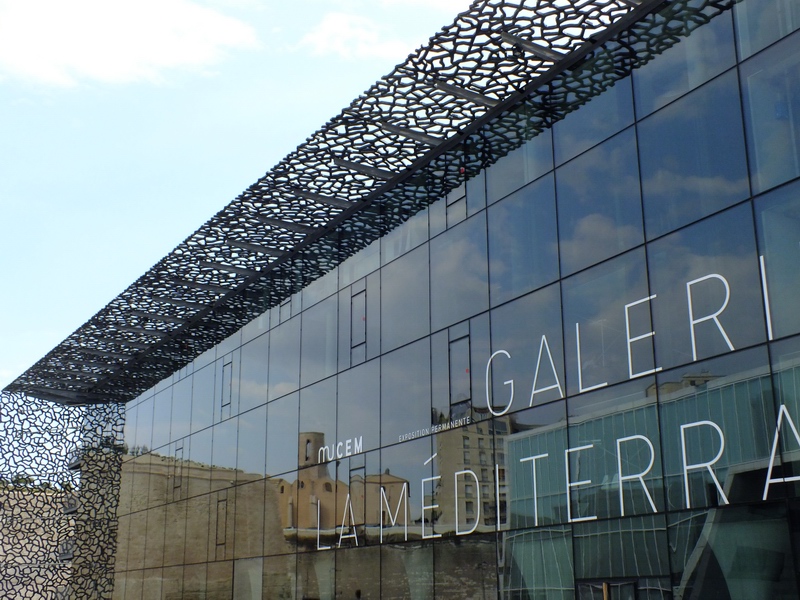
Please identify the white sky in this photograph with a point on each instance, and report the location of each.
(125, 125)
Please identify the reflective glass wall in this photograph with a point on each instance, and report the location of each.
(575, 376)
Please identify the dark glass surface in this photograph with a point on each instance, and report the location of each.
(720, 412)
(405, 391)
(523, 241)
(750, 552)
(282, 435)
(358, 413)
(691, 62)
(539, 563)
(598, 119)
(404, 299)
(318, 345)
(614, 345)
(783, 457)
(778, 223)
(459, 273)
(528, 162)
(599, 205)
(284, 358)
(534, 445)
(617, 427)
(407, 237)
(254, 371)
(692, 157)
(181, 409)
(529, 331)
(318, 411)
(705, 270)
(252, 443)
(407, 570)
(203, 398)
(762, 22)
(770, 84)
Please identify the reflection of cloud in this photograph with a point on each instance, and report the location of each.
(59, 43)
(351, 36)
(594, 232)
(670, 183)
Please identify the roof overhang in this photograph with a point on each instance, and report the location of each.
(412, 137)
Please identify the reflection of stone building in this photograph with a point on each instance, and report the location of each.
(318, 504)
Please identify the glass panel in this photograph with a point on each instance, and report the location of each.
(761, 22)
(539, 563)
(318, 359)
(405, 392)
(606, 324)
(407, 571)
(717, 423)
(785, 460)
(282, 435)
(778, 221)
(317, 421)
(247, 579)
(254, 369)
(280, 573)
(772, 113)
(616, 460)
(598, 119)
(181, 409)
(282, 515)
(695, 59)
(475, 557)
(252, 446)
(528, 351)
(359, 405)
(459, 273)
(248, 526)
(203, 398)
(630, 547)
(407, 237)
(707, 287)
(356, 571)
(404, 299)
(742, 552)
(599, 206)
(531, 160)
(692, 157)
(523, 241)
(224, 454)
(534, 444)
(284, 358)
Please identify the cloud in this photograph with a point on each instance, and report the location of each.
(60, 43)
(351, 37)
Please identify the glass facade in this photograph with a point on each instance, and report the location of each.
(575, 376)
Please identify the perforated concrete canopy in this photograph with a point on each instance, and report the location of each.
(413, 136)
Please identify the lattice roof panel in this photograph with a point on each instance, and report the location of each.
(409, 139)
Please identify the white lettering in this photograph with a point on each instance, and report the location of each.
(339, 450)
(543, 345)
(711, 317)
(703, 465)
(582, 389)
(358, 444)
(393, 518)
(533, 460)
(782, 412)
(765, 292)
(348, 507)
(572, 484)
(637, 338)
(510, 383)
(430, 507)
(477, 487)
(639, 476)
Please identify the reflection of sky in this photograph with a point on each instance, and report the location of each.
(282, 434)
(359, 404)
(253, 375)
(596, 299)
(722, 245)
(404, 299)
(284, 358)
(684, 66)
(692, 156)
(405, 391)
(458, 271)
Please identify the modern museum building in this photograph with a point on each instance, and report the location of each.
(523, 321)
